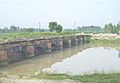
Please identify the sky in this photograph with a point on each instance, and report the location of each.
(29, 13)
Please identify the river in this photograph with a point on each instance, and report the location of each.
(81, 59)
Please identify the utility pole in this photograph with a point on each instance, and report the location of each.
(74, 27)
(39, 26)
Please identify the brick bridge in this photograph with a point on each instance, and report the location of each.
(14, 51)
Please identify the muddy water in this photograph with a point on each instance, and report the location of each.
(43, 61)
(90, 60)
(80, 59)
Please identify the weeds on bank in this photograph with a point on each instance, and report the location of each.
(105, 42)
(94, 78)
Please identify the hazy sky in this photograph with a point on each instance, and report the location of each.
(28, 13)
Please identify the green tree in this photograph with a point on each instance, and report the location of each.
(105, 28)
(58, 28)
(14, 28)
(52, 26)
(5, 30)
(29, 30)
(118, 28)
(115, 29)
(90, 29)
(109, 28)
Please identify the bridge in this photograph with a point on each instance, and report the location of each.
(14, 51)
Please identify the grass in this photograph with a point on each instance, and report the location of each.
(4, 37)
(105, 42)
(22, 35)
(94, 78)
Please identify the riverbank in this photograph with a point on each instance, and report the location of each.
(61, 78)
(64, 78)
(113, 42)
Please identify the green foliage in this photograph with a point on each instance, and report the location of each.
(58, 28)
(110, 28)
(52, 26)
(90, 29)
(4, 37)
(14, 28)
(105, 42)
(29, 30)
(5, 30)
(94, 78)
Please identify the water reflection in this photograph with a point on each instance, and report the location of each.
(76, 60)
(43, 61)
(91, 60)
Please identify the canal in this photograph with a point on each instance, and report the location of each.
(81, 59)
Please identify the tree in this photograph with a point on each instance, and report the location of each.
(58, 28)
(109, 28)
(90, 29)
(5, 30)
(106, 29)
(29, 30)
(52, 26)
(118, 28)
(14, 28)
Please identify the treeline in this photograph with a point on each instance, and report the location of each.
(15, 29)
(55, 27)
(110, 28)
(90, 29)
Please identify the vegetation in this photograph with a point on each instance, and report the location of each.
(94, 78)
(58, 28)
(23, 35)
(53, 26)
(110, 28)
(105, 42)
(90, 29)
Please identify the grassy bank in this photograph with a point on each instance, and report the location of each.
(4, 37)
(105, 42)
(94, 78)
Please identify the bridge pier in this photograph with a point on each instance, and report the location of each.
(49, 47)
(60, 44)
(14, 53)
(29, 52)
(69, 43)
(3, 57)
(38, 50)
(76, 41)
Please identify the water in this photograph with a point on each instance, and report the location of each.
(91, 60)
(81, 59)
(43, 61)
